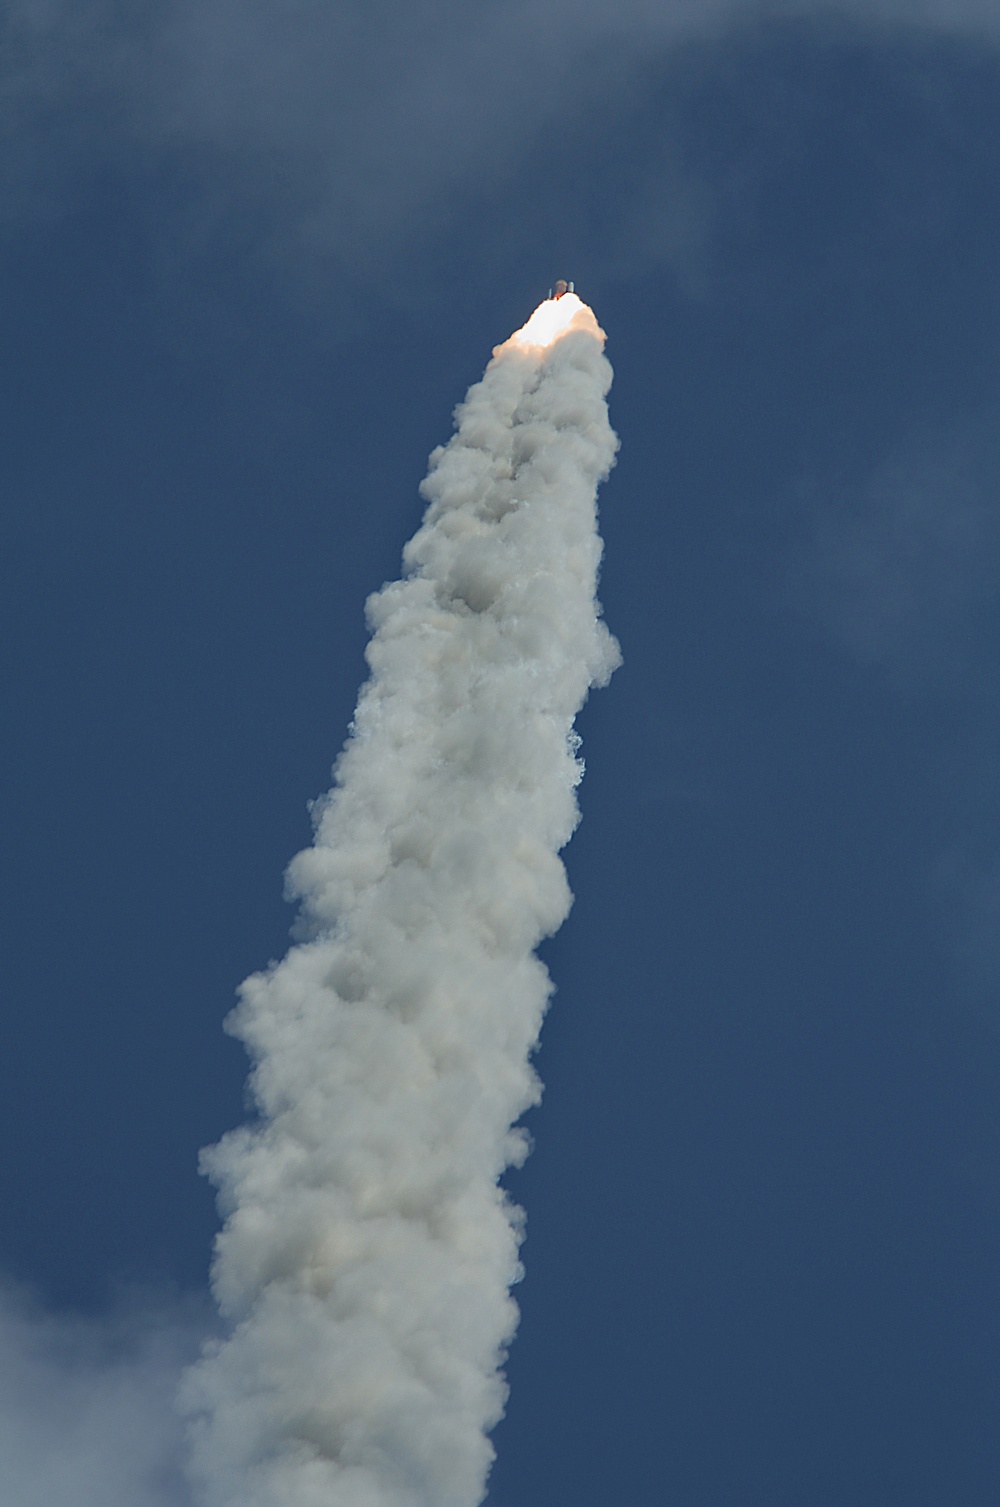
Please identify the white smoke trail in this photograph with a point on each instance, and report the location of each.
(368, 1252)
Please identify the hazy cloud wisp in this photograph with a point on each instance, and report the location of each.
(87, 1407)
(343, 133)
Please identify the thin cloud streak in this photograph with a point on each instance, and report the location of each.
(359, 131)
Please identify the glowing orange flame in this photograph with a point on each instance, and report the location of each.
(552, 318)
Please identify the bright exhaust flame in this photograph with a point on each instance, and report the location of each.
(555, 317)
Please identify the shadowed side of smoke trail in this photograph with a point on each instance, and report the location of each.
(368, 1252)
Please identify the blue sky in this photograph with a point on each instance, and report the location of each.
(252, 260)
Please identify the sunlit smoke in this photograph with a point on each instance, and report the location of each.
(368, 1252)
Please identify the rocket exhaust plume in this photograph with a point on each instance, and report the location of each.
(366, 1260)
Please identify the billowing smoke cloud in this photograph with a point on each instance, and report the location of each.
(368, 1253)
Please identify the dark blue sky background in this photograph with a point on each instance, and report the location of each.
(764, 1204)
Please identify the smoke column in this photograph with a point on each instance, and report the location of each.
(365, 1264)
